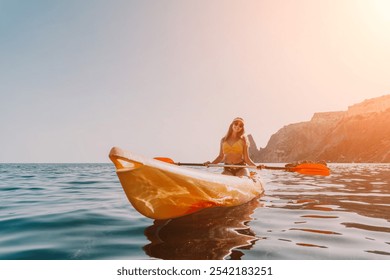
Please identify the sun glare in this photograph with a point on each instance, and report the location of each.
(382, 9)
(375, 18)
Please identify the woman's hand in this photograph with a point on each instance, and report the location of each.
(206, 163)
(260, 166)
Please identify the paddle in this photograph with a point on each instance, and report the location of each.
(306, 168)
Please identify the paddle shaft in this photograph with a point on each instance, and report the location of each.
(231, 166)
(302, 168)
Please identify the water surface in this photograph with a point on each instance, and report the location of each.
(79, 211)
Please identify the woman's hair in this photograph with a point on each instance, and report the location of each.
(241, 133)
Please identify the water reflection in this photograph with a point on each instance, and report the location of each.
(217, 233)
(327, 216)
(365, 191)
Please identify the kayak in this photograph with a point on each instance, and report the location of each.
(160, 190)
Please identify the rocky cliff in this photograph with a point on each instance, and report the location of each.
(360, 134)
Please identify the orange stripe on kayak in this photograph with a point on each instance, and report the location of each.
(201, 205)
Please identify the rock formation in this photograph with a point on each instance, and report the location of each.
(360, 134)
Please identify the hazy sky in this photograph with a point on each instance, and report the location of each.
(166, 77)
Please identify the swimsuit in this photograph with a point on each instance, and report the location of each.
(236, 148)
(234, 170)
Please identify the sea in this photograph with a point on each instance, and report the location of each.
(80, 212)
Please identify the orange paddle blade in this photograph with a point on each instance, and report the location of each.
(165, 159)
(310, 169)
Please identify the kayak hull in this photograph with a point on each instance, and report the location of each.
(160, 190)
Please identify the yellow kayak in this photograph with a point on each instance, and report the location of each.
(160, 190)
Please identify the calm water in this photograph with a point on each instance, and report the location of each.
(79, 211)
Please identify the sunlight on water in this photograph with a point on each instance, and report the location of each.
(79, 211)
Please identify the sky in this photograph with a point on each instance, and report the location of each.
(166, 78)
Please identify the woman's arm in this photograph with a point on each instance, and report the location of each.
(247, 159)
(221, 156)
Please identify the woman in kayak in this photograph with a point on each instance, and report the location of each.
(234, 150)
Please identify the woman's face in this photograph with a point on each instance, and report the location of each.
(237, 126)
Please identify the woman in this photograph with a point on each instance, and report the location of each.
(234, 150)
